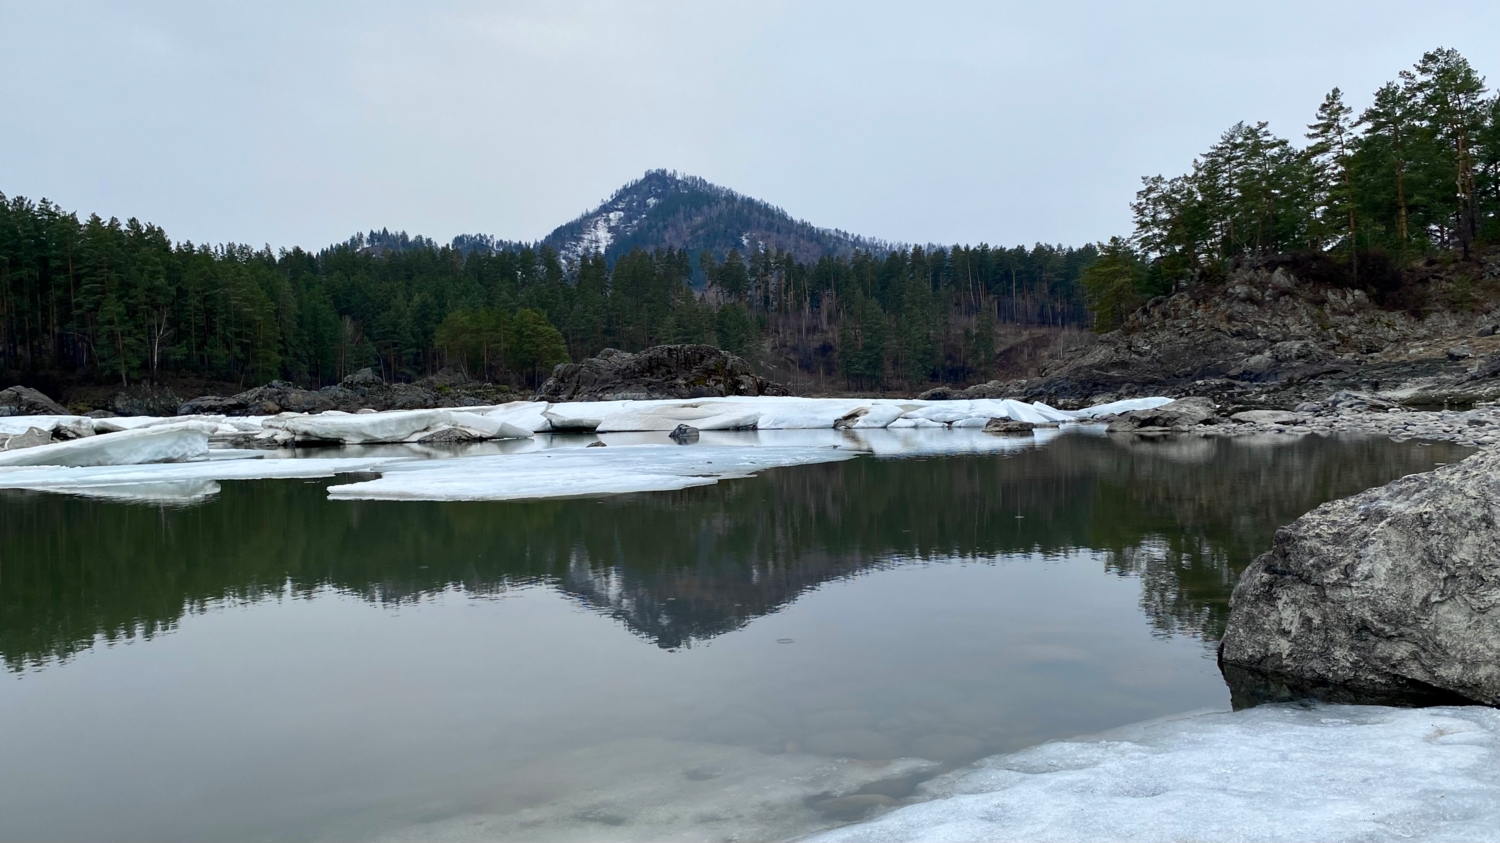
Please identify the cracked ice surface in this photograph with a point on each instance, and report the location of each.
(1327, 773)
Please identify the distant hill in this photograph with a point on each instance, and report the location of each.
(663, 209)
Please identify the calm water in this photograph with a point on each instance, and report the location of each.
(704, 664)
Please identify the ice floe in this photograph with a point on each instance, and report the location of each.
(1273, 773)
(174, 442)
(179, 482)
(572, 472)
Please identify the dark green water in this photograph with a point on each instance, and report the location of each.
(273, 665)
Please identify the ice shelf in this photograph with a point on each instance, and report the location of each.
(1273, 773)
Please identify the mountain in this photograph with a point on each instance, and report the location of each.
(664, 209)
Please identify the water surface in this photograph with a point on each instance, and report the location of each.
(702, 664)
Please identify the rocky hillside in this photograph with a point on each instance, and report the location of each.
(664, 209)
(1267, 338)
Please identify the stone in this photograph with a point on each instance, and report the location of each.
(594, 445)
(33, 437)
(145, 400)
(212, 405)
(683, 434)
(1487, 331)
(1008, 426)
(1182, 414)
(864, 744)
(25, 401)
(1267, 417)
(663, 371)
(450, 435)
(1396, 589)
(1459, 352)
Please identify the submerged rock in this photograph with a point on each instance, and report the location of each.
(1396, 589)
(663, 371)
(683, 434)
(25, 401)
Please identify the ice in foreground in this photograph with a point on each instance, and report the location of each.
(1334, 773)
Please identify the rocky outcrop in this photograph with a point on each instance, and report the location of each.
(663, 371)
(1177, 416)
(363, 390)
(25, 401)
(1396, 589)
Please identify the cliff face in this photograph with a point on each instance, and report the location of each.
(1268, 339)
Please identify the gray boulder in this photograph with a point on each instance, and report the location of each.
(1267, 417)
(33, 437)
(1182, 414)
(25, 401)
(1008, 426)
(663, 371)
(1395, 590)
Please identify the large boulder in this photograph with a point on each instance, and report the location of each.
(25, 401)
(664, 371)
(1395, 590)
(1179, 415)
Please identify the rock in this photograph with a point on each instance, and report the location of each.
(212, 405)
(145, 400)
(101, 414)
(1267, 417)
(365, 377)
(1487, 331)
(864, 744)
(852, 417)
(664, 371)
(1459, 352)
(1307, 408)
(683, 434)
(1008, 426)
(33, 437)
(450, 435)
(594, 445)
(25, 401)
(1396, 589)
(1182, 414)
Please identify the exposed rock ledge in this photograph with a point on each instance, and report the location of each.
(1396, 589)
(663, 371)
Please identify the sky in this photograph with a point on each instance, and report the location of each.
(295, 123)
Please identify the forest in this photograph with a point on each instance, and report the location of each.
(103, 301)
(1414, 173)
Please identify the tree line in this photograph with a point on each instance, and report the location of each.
(103, 301)
(1417, 170)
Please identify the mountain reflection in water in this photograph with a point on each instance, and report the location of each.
(1184, 515)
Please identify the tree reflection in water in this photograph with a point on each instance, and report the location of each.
(1184, 515)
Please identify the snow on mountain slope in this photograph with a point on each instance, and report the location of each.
(665, 210)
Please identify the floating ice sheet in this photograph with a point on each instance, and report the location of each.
(1334, 773)
(180, 482)
(572, 472)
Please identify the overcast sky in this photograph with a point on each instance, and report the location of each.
(297, 123)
